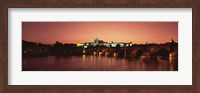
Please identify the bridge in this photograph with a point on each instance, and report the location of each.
(165, 51)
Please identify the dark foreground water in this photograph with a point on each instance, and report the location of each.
(95, 63)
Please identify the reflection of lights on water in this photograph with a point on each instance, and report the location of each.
(115, 55)
(107, 53)
(160, 66)
(100, 53)
(123, 61)
(91, 57)
(51, 59)
(112, 60)
(99, 57)
(170, 56)
(170, 60)
(109, 60)
(93, 62)
(143, 66)
(171, 66)
(137, 65)
(171, 63)
(83, 58)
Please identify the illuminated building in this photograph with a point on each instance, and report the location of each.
(98, 42)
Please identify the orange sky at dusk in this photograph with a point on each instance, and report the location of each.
(74, 32)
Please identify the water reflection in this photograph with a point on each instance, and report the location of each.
(97, 63)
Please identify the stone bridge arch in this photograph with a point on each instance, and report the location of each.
(162, 51)
(154, 48)
(136, 52)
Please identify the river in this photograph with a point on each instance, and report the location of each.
(96, 63)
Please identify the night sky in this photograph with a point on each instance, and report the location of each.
(74, 32)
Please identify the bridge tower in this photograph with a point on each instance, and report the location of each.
(172, 45)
